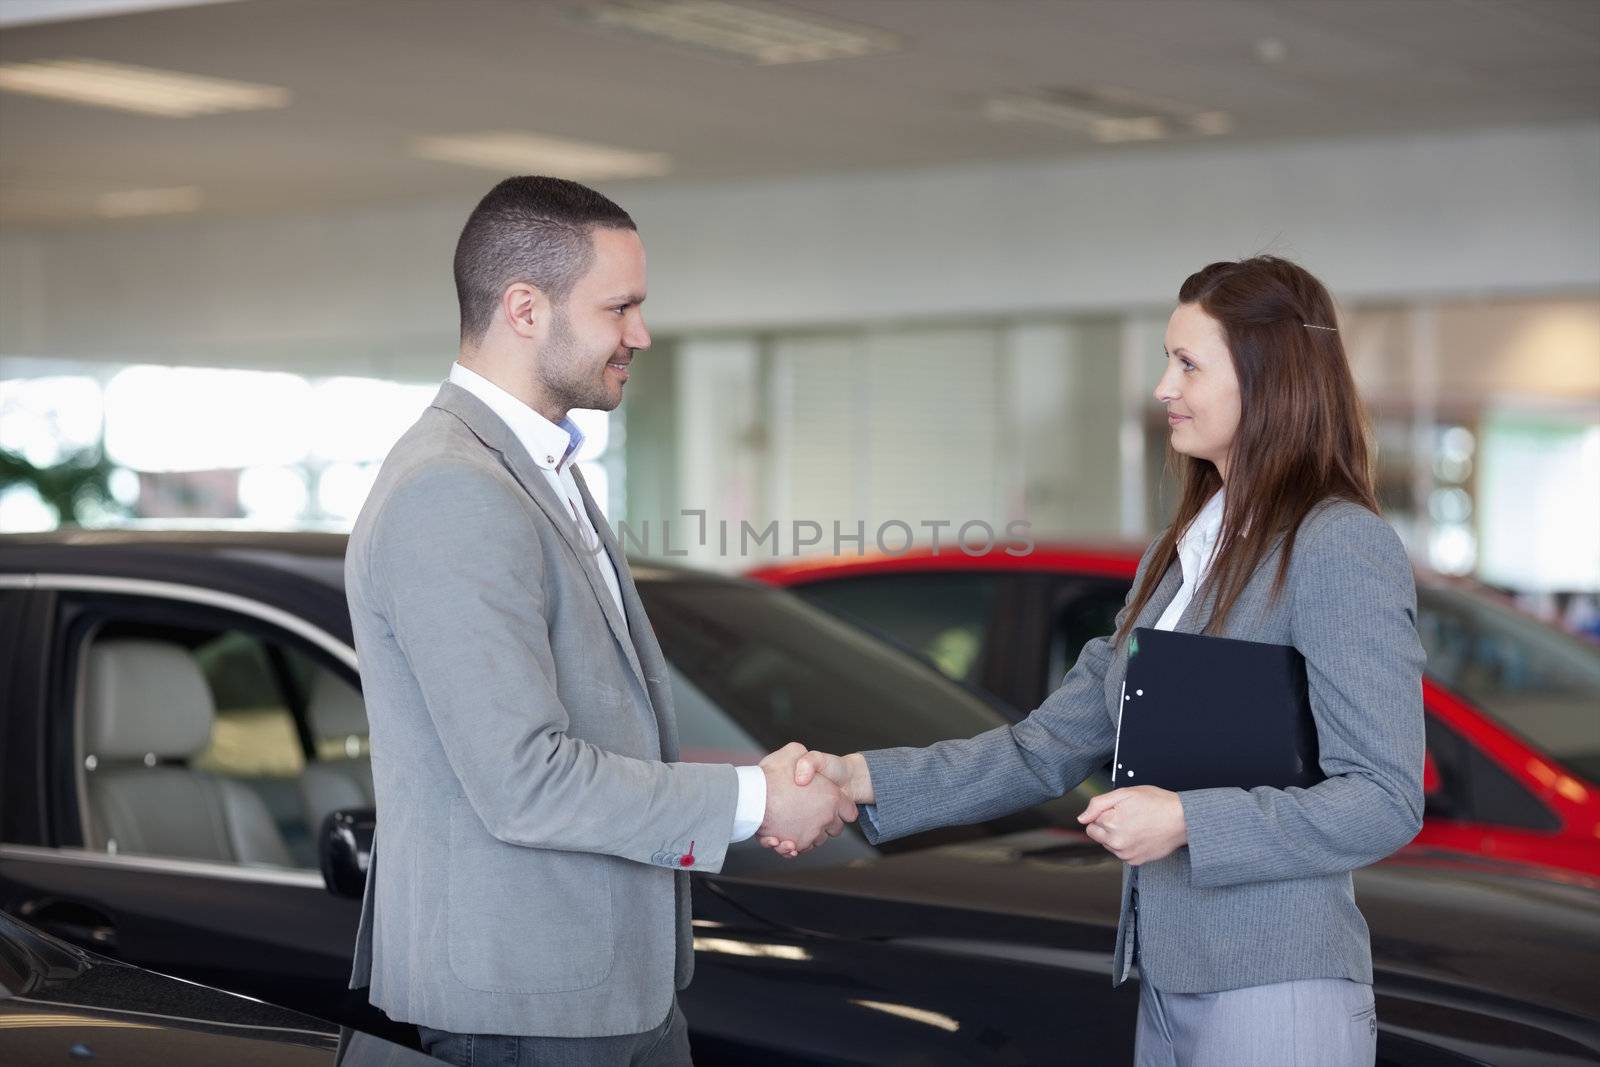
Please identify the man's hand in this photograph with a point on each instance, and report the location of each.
(1139, 824)
(848, 773)
(799, 818)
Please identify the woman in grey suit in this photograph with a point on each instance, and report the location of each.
(1237, 905)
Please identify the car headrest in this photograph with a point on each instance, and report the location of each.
(337, 710)
(145, 697)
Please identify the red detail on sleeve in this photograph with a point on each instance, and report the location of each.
(688, 857)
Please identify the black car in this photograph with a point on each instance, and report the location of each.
(126, 827)
(62, 1004)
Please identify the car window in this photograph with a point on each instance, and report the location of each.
(759, 669)
(1470, 787)
(254, 734)
(944, 618)
(1537, 681)
(195, 739)
(1084, 610)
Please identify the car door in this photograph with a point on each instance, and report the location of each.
(196, 859)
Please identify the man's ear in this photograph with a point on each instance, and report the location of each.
(525, 310)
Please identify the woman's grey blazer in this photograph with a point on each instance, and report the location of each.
(1262, 892)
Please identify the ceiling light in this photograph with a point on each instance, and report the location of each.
(1107, 114)
(131, 203)
(528, 153)
(1105, 128)
(140, 89)
(1144, 128)
(36, 12)
(748, 31)
(1271, 50)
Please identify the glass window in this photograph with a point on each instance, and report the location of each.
(1532, 678)
(1471, 788)
(755, 668)
(204, 741)
(1085, 610)
(253, 735)
(944, 618)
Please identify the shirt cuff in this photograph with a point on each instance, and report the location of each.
(752, 806)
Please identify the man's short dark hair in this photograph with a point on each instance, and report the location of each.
(529, 229)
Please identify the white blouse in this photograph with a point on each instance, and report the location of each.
(1195, 550)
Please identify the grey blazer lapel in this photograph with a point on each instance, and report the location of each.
(1162, 598)
(493, 432)
(1204, 603)
(1197, 612)
(1117, 669)
(630, 597)
(645, 652)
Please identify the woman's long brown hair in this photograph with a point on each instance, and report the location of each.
(1302, 436)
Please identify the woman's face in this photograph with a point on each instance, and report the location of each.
(1199, 388)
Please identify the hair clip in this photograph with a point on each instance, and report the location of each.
(1330, 329)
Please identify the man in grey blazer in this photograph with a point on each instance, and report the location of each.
(529, 888)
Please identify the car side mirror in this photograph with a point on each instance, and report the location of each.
(345, 848)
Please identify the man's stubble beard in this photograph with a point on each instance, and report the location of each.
(563, 375)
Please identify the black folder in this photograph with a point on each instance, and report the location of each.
(1200, 712)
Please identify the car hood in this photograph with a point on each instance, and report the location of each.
(61, 1004)
(1052, 897)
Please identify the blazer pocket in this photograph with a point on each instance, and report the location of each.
(525, 920)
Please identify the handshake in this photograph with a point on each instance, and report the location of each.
(810, 796)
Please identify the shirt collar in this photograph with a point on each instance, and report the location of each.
(549, 444)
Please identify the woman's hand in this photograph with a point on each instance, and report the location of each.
(1139, 824)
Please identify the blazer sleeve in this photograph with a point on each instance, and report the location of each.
(1008, 768)
(465, 599)
(1354, 619)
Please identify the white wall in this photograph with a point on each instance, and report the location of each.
(368, 289)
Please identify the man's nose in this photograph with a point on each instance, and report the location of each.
(637, 337)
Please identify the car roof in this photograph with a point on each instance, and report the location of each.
(300, 572)
(1111, 560)
(317, 555)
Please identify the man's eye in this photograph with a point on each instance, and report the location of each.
(1187, 366)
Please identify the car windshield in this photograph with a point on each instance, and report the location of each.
(755, 668)
(1535, 680)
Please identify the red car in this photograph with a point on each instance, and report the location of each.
(1513, 705)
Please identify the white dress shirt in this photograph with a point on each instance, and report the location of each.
(551, 447)
(1195, 550)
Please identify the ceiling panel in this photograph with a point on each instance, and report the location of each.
(367, 77)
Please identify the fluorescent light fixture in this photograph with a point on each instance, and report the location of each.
(131, 203)
(1107, 129)
(1144, 128)
(1211, 123)
(531, 153)
(1107, 114)
(35, 12)
(748, 31)
(140, 89)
